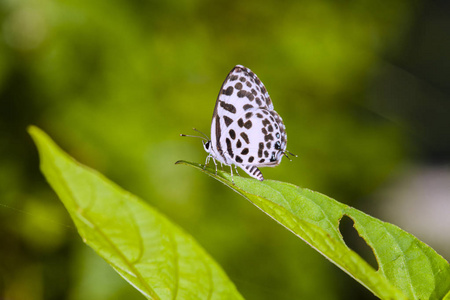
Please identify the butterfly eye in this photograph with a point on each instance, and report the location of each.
(207, 144)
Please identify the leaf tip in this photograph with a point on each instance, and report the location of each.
(33, 130)
(36, 134)
(43, 142)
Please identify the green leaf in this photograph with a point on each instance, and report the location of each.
(408, 268)
(142, 245)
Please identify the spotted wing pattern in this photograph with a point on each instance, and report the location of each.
(245, 130)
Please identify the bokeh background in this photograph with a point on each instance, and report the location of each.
(363, 87)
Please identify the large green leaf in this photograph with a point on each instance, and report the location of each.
(408, 268)
(143, 246)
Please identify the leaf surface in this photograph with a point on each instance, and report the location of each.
(408, 268)
(143, 246)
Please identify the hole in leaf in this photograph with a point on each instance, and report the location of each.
(355, 242)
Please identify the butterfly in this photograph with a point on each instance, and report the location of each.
(246, 131)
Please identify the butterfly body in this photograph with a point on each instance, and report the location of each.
(246, 130)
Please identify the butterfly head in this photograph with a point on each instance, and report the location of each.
(207, 146)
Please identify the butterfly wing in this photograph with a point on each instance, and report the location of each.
(245, 130)
(262, 144)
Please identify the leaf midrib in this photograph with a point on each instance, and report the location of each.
(130, 265)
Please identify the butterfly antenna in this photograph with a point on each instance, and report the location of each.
(207, 138)
(195, 136)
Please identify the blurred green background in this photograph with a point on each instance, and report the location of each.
(362, 86)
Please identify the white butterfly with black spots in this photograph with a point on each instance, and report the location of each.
(245, 130)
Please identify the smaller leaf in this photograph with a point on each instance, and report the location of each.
(143, 246)
(408, 268)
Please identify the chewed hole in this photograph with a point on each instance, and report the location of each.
(355, 242)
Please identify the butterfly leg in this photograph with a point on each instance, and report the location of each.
(231, 169)
(207, 161)
(236, 169)
(214, 161)
(231, 165)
